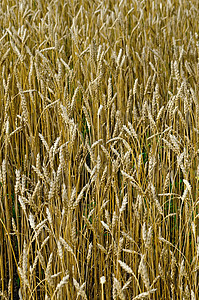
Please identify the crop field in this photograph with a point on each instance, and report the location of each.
(99, 139)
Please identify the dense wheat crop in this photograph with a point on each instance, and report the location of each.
(99, 139)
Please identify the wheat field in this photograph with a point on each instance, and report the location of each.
(99, 139)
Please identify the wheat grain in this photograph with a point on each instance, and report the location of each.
(144, 295)
(144, 273)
